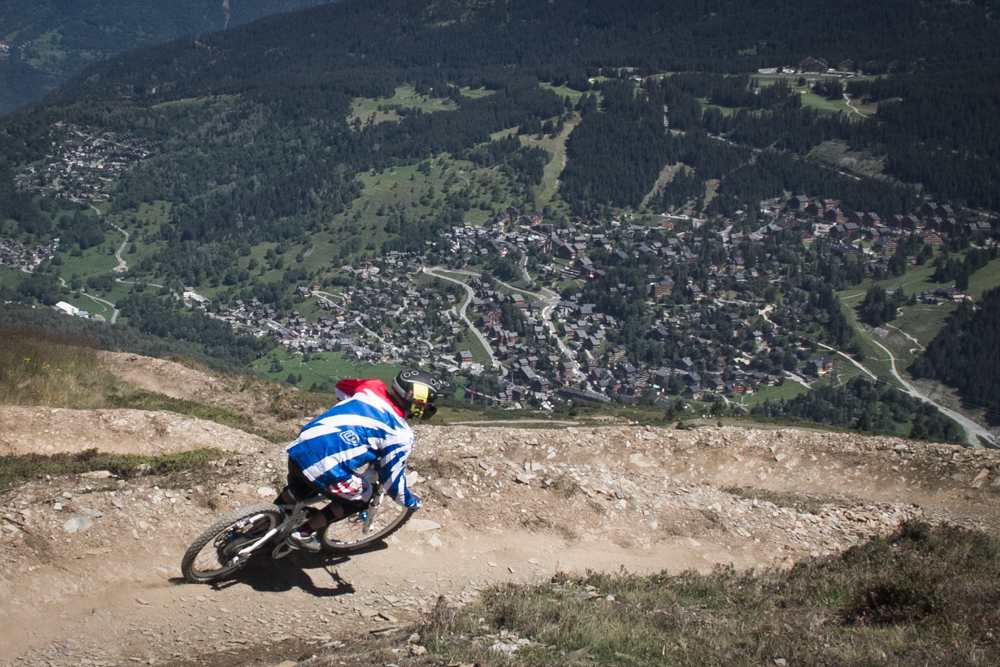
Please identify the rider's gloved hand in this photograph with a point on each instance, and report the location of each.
(415, 502)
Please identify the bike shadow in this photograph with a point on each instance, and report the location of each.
(277, 576)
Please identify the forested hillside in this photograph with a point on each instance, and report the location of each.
(568, 38)
(253, 141)
(966, 355)
(50, 40)
(671, 193)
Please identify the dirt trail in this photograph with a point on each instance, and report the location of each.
(501, 504)
(642, 499)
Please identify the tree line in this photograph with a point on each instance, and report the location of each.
(966, 354)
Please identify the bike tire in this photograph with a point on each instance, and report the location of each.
(208, 559)
(384, 517)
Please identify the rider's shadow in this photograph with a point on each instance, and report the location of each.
(269, 576)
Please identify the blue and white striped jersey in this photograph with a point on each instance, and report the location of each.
(356, 431)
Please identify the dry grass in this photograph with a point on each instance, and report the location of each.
(17, 469)
(40, 368)
(921, 596)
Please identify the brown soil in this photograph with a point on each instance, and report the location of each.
(501, 504)
(270, 406)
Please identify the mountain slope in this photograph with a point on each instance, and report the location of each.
(50, 40)
(450, 37)
(604, 499)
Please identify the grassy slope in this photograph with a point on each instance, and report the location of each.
(920, 596)
(327, 367)
(920, 321)
(788, 390)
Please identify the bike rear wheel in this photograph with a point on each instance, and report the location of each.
(213, 556)
(381, 519)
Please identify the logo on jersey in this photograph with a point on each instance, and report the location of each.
(350, 438)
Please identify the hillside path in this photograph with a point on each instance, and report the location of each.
(501, 505)
(90, 568)
(973, 431)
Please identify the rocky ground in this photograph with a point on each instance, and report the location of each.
(89, 565)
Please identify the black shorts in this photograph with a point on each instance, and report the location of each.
(300, 486)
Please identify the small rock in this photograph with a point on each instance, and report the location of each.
(57, 506)
(103, 615)
(980, 479)
(422, 525)
(266, 492)
(78, 524)
(9, 529)
(533, 561)
(97, 474)
(435, 541)
(418, 650)
(414, 638)
(780, 457)
(67, 495)
(387, 617)
(642, 461)
(144, 603)
(786, 565)
(781, 661)
(525, 478)
(287, 663)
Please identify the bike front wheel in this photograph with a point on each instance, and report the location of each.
(382, 518)
(214, 555)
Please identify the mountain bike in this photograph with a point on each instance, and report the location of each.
(230, 542)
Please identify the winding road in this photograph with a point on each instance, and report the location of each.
(850, 359)
(851, 107)
(114, 309)
(436, 271)
(547, 296)
(122, 266)
(972, 429)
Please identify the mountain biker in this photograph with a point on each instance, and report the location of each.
(367, 424)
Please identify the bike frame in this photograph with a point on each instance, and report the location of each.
(297, 516)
